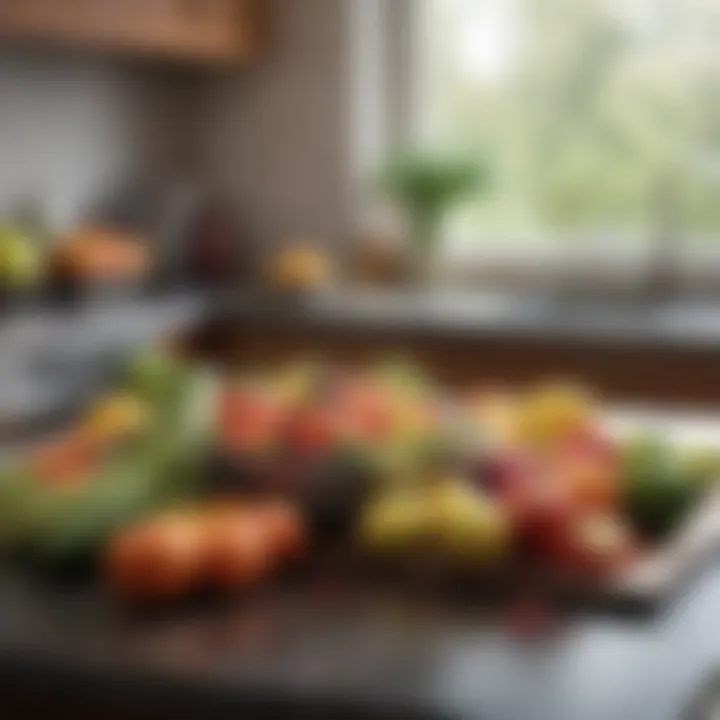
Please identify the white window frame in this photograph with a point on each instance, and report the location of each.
(388, 94)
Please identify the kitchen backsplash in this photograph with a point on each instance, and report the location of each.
(71, 128)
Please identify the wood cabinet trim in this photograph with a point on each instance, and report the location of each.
(212, 31)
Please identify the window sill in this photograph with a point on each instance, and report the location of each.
(608, 270)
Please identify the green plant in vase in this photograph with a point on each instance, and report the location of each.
(425, 186)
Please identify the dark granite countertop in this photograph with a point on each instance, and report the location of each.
(333, 655)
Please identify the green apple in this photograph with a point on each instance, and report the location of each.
(20, 259)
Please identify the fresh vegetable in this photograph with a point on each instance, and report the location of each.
(239, 549)
(284, 530)
(64, 461)
(223, 546)
(468, 525)
(658, 490)
(294, 460)
(115, 417)
(69, 498)
(702, 466)
(157, 560)
(553, 413)
(312, 432)
(451, 517)
(249, 419)
(397, 522)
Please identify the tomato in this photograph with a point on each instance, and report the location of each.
(367, 410)
(248, 419)
(237, 552)
(593, 484)
(540, 511)
(64, 462)
(312, 431)
(158, 560)
(587, 464)
(591, 443)
(116, 417)
(284, 529)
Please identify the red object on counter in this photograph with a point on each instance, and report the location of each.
(217, 251)
(248, 419)
(237, 552)
(158, 560)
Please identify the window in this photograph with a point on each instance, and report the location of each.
(600, 119)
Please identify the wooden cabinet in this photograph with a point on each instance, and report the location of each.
(222, 31)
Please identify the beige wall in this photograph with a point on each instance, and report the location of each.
(72, 126)
(275, 136)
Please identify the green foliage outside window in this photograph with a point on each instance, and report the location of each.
(597, 116)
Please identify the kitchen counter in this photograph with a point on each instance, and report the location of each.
(662, 352)
(328, 655)
(315, 649)
(688, 323)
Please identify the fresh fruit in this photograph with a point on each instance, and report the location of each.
(540, 511)
(158, 560)
(658, 491)
(21, 263)
(238, 548)
(592, 443)
(553, 412)
(249, 419)
(491, 415)
(299, 383)
(226, 546)
(300, 268)
(401, 374)
(312, 431)
(702, 466)
(116, 417)
(591, 482)
(396, 522)
(468, 526)
(318, 456)
(367, 410)
(66, 461)
(155, 376)
(284, 529)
